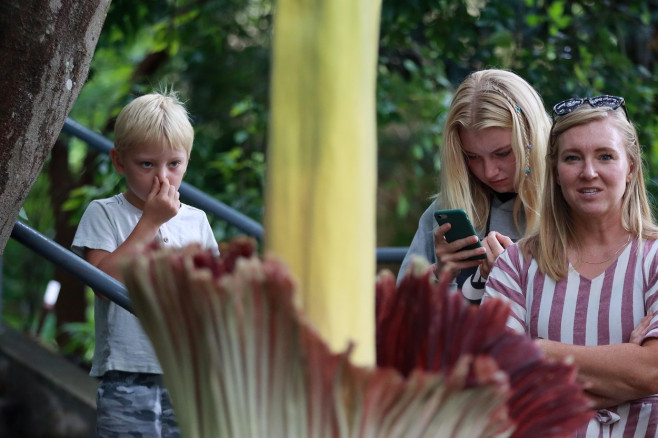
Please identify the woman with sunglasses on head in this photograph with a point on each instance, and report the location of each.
(585, 285)
(492, 160)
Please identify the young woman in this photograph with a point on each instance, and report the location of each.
(492, 165)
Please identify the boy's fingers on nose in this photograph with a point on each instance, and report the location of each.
(155, 187)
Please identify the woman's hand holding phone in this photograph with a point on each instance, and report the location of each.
(458, 247)
(451, 255)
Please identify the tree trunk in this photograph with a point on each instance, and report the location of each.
(46, 48)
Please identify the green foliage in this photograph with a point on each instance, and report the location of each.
(25, 273)
(216, 53)
(562, 48)
(81, 333)
(145, 46)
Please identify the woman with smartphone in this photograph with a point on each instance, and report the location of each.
(492, 161)
(588, 275)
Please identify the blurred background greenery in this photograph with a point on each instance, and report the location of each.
(216, 53)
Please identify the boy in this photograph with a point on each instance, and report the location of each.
(153, 140)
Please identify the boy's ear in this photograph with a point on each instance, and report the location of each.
(117, 161)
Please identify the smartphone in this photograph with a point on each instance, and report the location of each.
(461, 227)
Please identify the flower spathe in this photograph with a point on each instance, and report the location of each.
(423, 326)
(240, 360)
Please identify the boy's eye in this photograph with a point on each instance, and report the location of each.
(606, 157)
(146, 164)
(174, 164)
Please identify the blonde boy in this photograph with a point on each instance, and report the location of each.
(153, 140)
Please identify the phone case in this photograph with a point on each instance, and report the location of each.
(461, 227)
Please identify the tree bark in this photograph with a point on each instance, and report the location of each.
(46, 47)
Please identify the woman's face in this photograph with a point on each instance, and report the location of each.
(489, 157)
(593, 169)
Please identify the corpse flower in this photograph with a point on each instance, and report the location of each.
(240, 359)
(422, 326)
(247, 353)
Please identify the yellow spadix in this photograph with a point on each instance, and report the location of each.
(321, 170)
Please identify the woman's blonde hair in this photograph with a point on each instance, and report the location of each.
(495, 99)
(549, 244)
(158, 118)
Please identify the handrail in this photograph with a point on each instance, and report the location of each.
(392, 254)
(98, 280)
(209, 204)
(93, 139)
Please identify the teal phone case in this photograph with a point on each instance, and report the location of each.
(461, 227)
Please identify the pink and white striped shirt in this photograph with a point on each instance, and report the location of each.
(579, 311)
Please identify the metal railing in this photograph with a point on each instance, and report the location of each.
(98, 280)
(201, 200)
(108, 286)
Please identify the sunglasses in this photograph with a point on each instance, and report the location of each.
(567, 106)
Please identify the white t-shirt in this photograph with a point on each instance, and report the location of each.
(121, 343)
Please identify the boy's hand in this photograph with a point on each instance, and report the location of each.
(162, 202)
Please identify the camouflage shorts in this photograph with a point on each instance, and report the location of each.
(134, 405)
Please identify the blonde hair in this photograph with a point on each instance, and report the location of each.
(500, 99)
(549, 244)
(158, 118)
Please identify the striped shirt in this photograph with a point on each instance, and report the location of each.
(579, 311)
